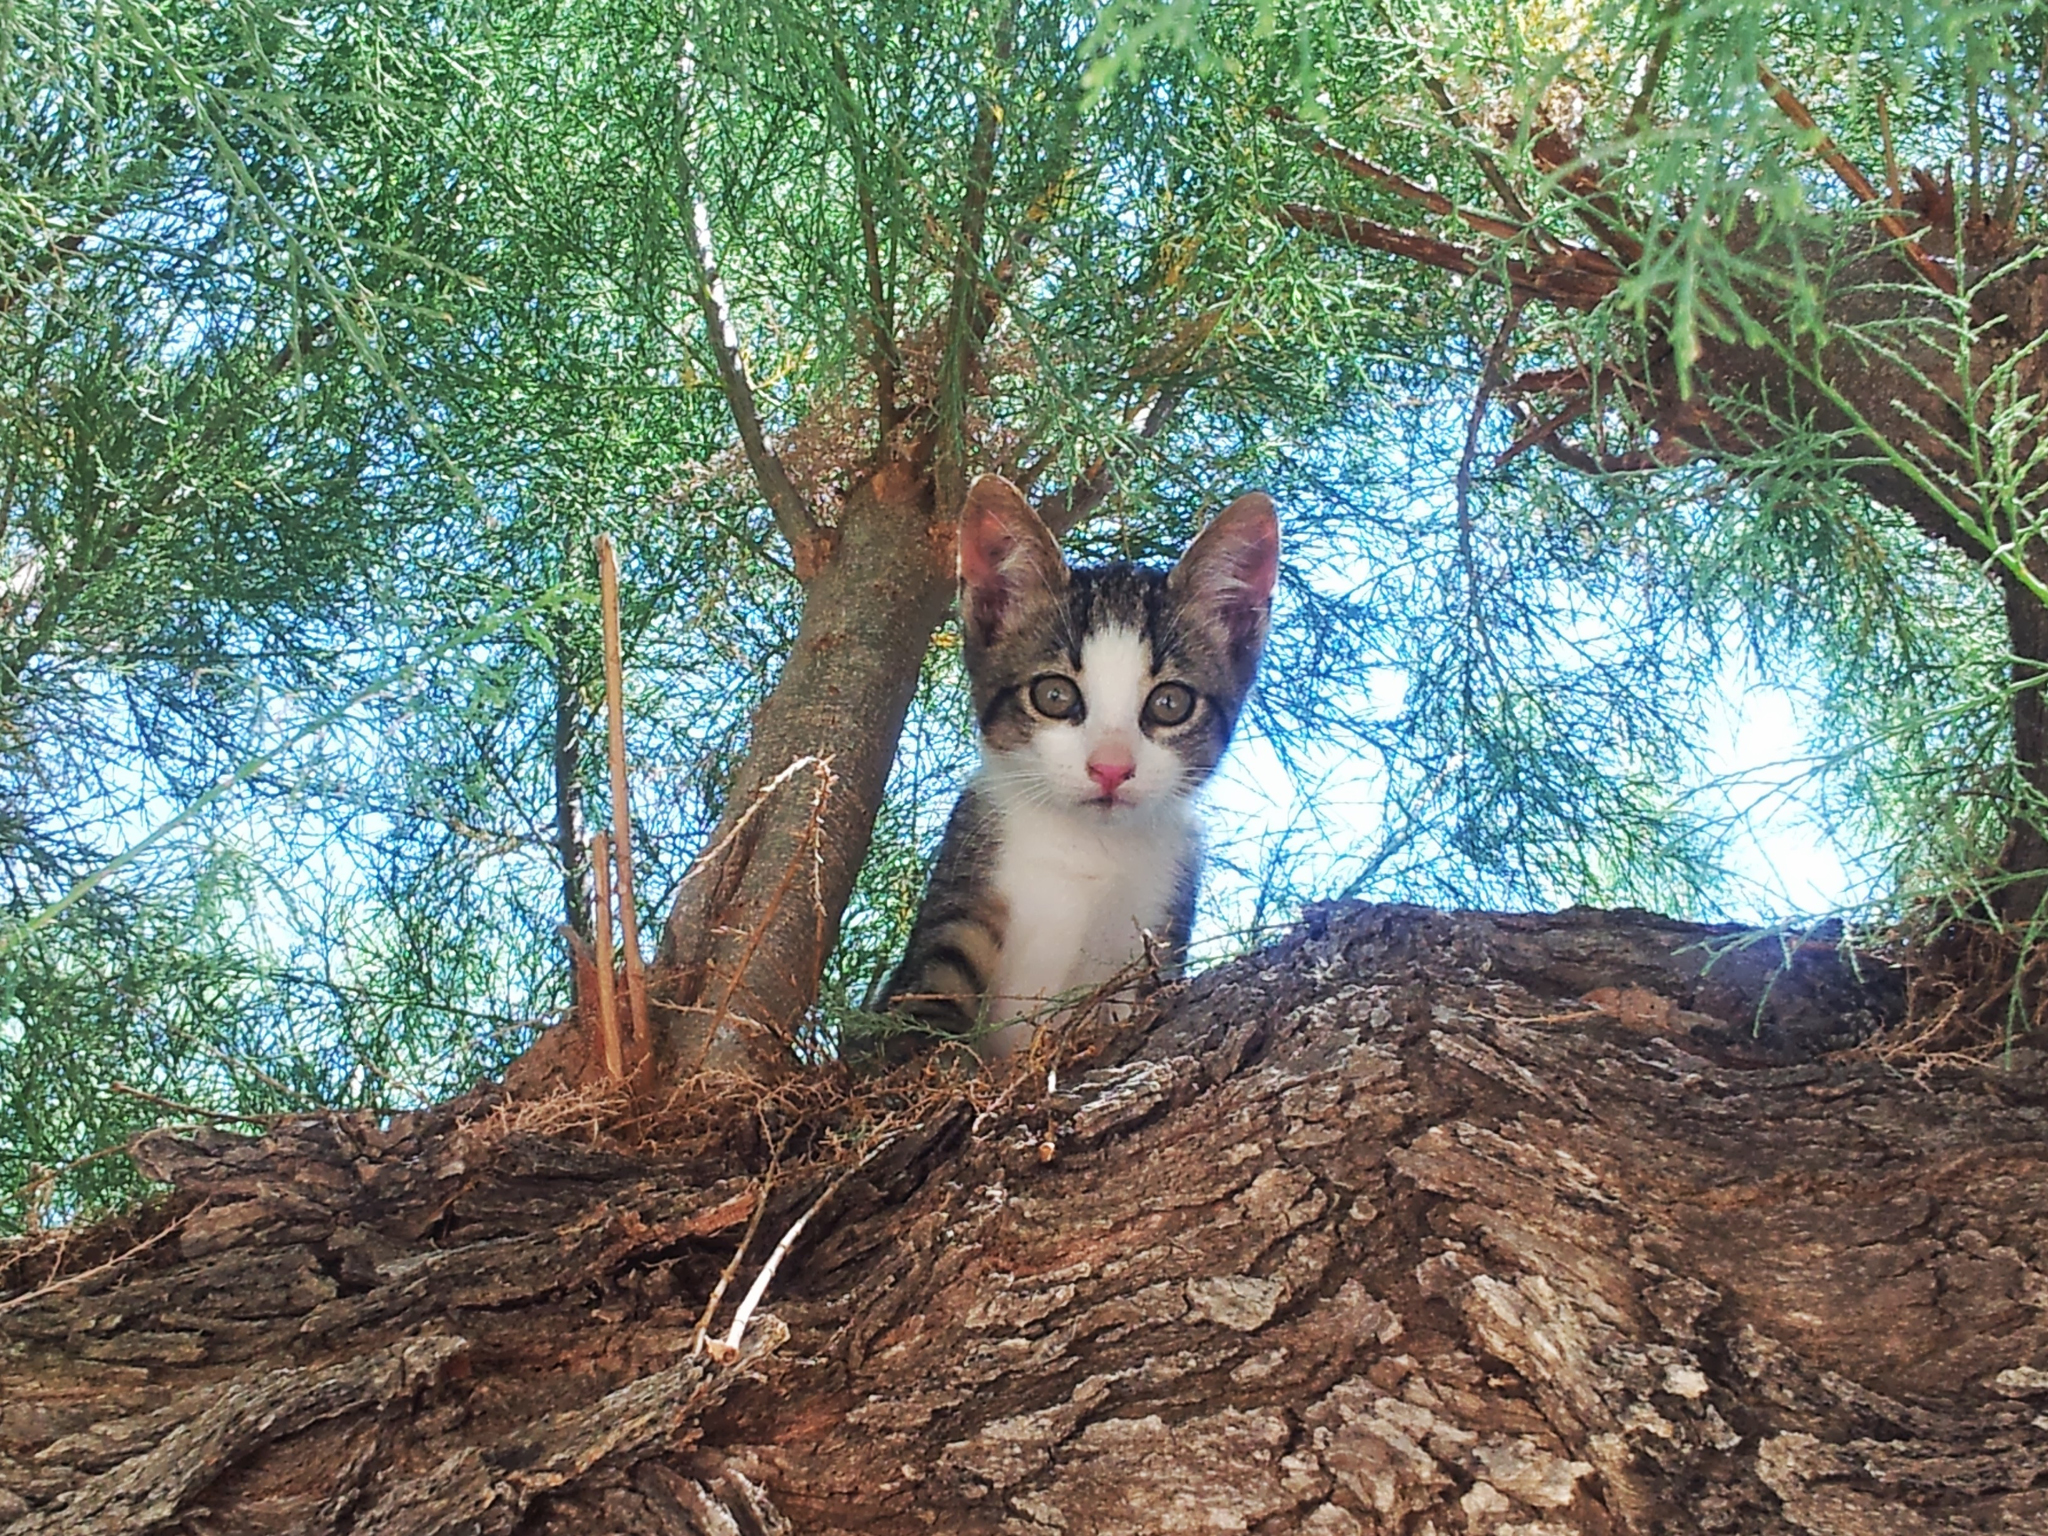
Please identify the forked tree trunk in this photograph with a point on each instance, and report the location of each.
(1384, 1230)
(748, 934)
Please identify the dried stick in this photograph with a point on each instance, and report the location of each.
(14, 1303)
(1857, 183)
(601, 931)
(622, 816)
(732, 1268)
(730, 1347)
(194, 1110)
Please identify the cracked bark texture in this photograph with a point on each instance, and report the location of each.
(1385, 1229)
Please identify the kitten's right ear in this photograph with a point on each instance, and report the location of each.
(1009, 560)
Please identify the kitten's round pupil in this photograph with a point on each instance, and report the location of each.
(1170, 704)
(1055, 697)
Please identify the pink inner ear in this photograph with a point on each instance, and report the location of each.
(1236, 562)
(984, 544)
(1000, 551)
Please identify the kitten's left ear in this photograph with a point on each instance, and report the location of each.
(1228, 574)
(1010, 563)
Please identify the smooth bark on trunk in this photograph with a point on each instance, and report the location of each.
(1512, 1226)
(747, 937)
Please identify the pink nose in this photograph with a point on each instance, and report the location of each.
(1110, 772)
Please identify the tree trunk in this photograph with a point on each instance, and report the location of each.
(748, 934)
(1387, 1229)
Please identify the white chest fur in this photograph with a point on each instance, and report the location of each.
(1082, 898)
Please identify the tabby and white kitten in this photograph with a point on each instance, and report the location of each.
(1105, 697)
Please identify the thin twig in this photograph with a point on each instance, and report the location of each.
(196, 1111)
(969, 310)
(738, 1331)
(1070, 507)
(1858, 183)
(607, 1001)
(1493, 174)
(732, 1268)
(1893, 197)
(15, 1302)
(622, 816)
(811, 841)
(1639, 110)
(808, 544)
(1392, 181)
(1549, 426)
(1575, 277)
(1489, 381)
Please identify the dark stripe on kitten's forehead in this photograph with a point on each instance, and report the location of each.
(1096, 600)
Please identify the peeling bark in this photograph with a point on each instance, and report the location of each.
(1384, 1229)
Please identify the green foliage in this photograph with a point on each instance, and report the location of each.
(331, 336)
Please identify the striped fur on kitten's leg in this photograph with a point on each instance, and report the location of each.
(1105, 697)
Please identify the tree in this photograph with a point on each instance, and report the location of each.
(1489, 1224)
(1382, 1226)
(482, 236)
(1681, 266)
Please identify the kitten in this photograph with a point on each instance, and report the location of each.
(1104, 697)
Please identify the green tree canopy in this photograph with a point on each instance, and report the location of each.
(330, 337)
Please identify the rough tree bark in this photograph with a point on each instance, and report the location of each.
(1385, 1229)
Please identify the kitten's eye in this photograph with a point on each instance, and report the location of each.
(1170, 704)
(1056, 697)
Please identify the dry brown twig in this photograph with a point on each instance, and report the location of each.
(601, 932)
(1852, 178)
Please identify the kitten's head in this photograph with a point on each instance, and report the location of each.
(1109, 691)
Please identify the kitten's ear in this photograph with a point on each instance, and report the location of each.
(1227, 575)
(1009, 560)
